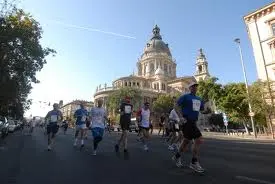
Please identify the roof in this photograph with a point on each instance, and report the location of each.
(78, 102)
(260, 12)
(129, 77)
(181, 79)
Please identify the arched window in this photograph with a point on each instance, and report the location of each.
(200, 68)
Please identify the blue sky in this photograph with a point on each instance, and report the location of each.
(87, 58)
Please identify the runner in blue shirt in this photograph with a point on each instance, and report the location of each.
(80, 124)
(190, 105)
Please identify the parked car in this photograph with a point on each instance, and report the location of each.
(4, 127)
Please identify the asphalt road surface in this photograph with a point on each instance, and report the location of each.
(25, 160)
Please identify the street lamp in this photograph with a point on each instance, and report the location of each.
(251, 114)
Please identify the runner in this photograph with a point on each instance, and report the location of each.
(151, 127)
(191, 105)
(174, 120)
(126, 110)
(32, 125)
(98, 118)
(161, 125)
(53, 118)
(65, 126)
(80, 115)
(176, 129)
(143, 116)
(88, 124)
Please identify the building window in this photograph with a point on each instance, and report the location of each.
(273, 28)
(162, 86)
(165, 69)
(134, 83)
(130, 84)
(138, 84)
(125, 83)
(152, 68)
(155, 86)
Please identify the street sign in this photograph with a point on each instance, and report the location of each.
(225, 120)
(225, 123)
(251, 114)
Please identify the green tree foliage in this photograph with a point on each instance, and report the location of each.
(163, 104)
(209, 89)
(115, 98)
(21, 57)
(234, 102)
(259, 106)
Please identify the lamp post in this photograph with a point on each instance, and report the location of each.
(251, 114)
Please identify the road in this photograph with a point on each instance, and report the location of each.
(25, 160)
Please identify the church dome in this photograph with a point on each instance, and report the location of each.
(156, 44)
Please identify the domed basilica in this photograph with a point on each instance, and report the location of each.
(156, 73)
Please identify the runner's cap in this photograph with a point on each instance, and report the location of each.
(192, 84)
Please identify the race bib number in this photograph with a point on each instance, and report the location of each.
(177, 126)
(127, 109)
(53, 118)
(83, 118)
(196, 105)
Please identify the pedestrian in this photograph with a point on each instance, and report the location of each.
(190, 105)
(126, 110)
(98, 118)
(53, 118)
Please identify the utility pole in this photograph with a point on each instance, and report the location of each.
(251, 113)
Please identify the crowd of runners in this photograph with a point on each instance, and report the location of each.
(179, 128)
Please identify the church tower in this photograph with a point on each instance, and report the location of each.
(202, 72)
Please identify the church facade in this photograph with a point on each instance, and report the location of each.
(156, 73)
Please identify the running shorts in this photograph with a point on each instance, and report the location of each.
(145, 128)
(191, 131)
(52, 128)
(97, 132)
(80, 127)
(125, 125)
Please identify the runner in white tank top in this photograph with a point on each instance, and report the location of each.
(143, 116)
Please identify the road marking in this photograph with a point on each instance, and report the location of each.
(253, 180)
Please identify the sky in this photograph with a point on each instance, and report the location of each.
(98, 41)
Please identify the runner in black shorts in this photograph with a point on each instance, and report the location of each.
(190, 105)
(126, 109)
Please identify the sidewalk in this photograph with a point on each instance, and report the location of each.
(244, 137)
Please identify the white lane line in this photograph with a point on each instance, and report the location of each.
(253, 180)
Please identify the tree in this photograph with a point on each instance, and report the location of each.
(115, 98)
(209, 89)
(163, 104)
(21, 57)
(234, 102)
